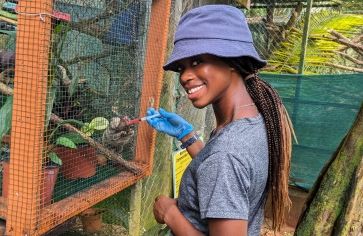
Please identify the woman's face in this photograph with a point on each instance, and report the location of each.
(205, 78)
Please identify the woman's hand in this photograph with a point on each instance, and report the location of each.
(162, 207)
(166, 212)
(169, 123)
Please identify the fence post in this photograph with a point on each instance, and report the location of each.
(135, 209)
(30, 92)
(305, 37)
(153, 78)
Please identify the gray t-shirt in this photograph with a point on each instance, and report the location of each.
(227, 178)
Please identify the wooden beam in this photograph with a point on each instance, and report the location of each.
(59, 212)
(30, 92)
(153, 77)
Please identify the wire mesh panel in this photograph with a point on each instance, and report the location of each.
(96, 75)
(85, 72)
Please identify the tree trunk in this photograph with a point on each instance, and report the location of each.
(328, 198)
(351, 222)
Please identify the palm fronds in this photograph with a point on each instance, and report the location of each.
(323, 47)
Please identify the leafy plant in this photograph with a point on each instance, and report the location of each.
(54, 158)
(98, 123)
(73, 140)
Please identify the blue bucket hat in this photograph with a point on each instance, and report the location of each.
(219, 30)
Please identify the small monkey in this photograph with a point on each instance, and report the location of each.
(117, 134)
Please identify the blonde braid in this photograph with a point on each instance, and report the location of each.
(279, 131)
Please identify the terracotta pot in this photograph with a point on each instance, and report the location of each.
(5, 180)
(77, 163)
(91, 220)
(50, 174)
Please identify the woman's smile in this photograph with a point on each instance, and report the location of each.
(205, 78)
(194, 92)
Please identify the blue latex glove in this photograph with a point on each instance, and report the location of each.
(169, 123)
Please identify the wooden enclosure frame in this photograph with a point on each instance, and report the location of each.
(21, 209)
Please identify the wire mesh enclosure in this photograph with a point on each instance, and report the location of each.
(80, 72)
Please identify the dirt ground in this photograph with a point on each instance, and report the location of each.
(298, 198)
(285, 231)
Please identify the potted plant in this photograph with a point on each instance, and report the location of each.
(49, 174)
(79, 159)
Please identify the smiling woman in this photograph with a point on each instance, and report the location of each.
(207, 79)
(224, 189)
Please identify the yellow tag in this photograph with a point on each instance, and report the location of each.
(181, 160)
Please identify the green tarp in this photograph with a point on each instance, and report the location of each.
(322, 109)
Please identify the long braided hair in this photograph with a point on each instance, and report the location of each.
(279, 132)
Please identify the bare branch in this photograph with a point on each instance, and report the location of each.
(350, 58)
(65, 78)
(107, 152)
(339, 38)
(344, 67)
(357, 39)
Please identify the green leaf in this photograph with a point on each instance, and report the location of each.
(5, 114)
(87, 129)
(74, 137)
(55, 158)
(66, 142)
(8, 15)
(99, 123)
(59, 28)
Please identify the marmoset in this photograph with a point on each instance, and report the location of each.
(117, 134)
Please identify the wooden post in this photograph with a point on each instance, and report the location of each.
(30, 90)
(305, 36)
(153, 77)
(135, 209)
